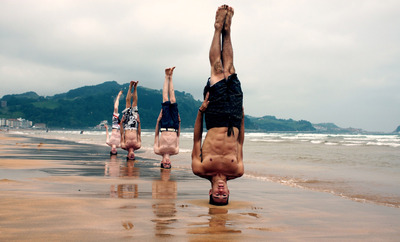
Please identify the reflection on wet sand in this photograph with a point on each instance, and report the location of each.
(220, 222)
(115, 168)
(112, 168)
(164, 209)
(124, 191)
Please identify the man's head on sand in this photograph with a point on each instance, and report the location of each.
(219, 193)
(113, 150)
(166, 162)
(131, 154)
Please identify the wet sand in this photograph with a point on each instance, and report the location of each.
(64, 191)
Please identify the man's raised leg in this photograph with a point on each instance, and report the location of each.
(166, 86)
(135, 97)
(171, 90)
(129, 96)
(217, 72)
(116, 103)
(227, 50)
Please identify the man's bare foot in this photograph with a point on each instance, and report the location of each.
(228, 19)
(220, 17)
(120, 93)
(169, 71)
(135, 83)
(131, 84)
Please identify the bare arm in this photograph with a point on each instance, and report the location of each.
(156, 145)
(107, 136)
(178, 133)
(197, 137)
(241, 133)
(179, 129)
(122, 132)
(139, 133)
(240, 147)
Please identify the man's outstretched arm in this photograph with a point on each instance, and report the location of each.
(139, 133)
(107, 135)
(240, 148)
(241, 133)
(197, 137)
(177, 135)
(156, 145)
(121, 129)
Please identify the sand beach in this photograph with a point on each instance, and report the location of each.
(57, 190)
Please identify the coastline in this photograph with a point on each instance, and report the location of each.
(62, 190)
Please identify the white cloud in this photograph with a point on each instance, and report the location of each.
(316, 60)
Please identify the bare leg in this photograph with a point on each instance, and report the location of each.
(217, 72)
(116, 103)
(227, 50)
(135, 97)
(171, 90)
(129, 95)
(165, 87)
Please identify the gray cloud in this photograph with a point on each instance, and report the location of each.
(315, 60)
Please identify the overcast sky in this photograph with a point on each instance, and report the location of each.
(321, 61)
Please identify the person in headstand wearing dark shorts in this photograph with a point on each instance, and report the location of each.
(220, 158)
(168, 123)
(130, 123)
(114, 140)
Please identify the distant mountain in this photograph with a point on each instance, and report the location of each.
(397, 129)
(332, 128)
(87, 106)
(271, 123)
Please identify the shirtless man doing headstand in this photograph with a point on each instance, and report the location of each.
(130, 123)
(168, 123)
(220, 158)
(114, 141)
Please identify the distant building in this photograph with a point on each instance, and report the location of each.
(16, 123)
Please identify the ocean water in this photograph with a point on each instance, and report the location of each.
(363, 168)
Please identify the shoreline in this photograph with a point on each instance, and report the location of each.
(62, 190)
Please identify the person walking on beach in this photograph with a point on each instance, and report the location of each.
(114, 141)
(168, 123)
(130, 123)
(220, 158)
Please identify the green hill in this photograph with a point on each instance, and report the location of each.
(271, 123)
(87, 106)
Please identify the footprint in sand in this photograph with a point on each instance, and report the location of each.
(127, 225)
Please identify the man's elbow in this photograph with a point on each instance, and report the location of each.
(196, 170)
(240, 172)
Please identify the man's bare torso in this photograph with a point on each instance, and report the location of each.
(168, 143)
(131, 139)
(220, 154)
(115, 138)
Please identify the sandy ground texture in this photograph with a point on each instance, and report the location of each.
(63, 191)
